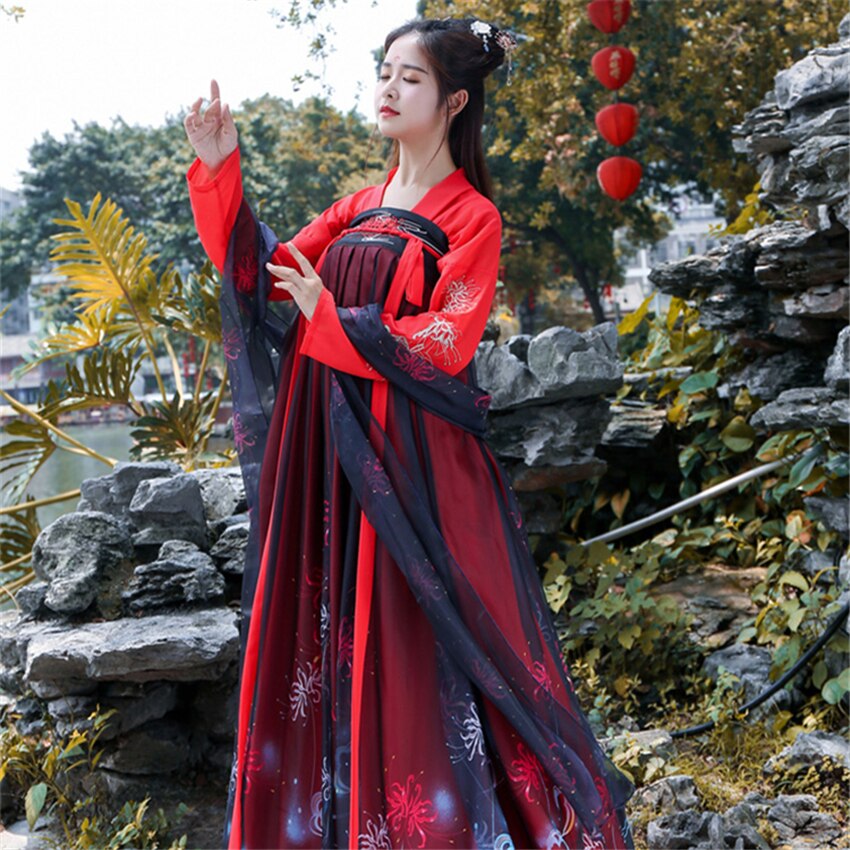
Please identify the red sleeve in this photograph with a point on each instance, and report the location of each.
(448, 333)
(215, 205)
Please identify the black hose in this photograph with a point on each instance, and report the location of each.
(790, 674)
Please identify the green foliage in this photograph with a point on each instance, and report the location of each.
(761, 523)
(55, 775)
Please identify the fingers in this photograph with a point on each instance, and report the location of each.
(215, 93)
(287, 274)
(302, 261)
(227, 118)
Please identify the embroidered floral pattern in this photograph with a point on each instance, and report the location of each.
(345, 649)
(415, 366)
(595, 843)
(525, 770)
(425, 580)
(376, 835)
(483, 402)
(439, 335)
(459, 296)
(316, 813)
(241, 437)
(232, 344)
(472, 734)
(306, 688)
(408, 812)
(245, 273)
(542, 677)
(376, 477)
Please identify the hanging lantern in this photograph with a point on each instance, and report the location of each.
(617, 123)
(619, 176)
(613, 66)
(609, 15)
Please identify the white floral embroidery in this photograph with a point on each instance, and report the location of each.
(472, 734)
(307, 687)
(324, 621)
(316, 813)
(376, 836)
(440, 334)
(459, 296)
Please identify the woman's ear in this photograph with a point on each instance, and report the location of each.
(457, 101)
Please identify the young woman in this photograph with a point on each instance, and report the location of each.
(401, 683)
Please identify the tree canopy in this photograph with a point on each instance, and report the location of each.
(298, 160)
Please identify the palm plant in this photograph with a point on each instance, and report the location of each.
(126, 315)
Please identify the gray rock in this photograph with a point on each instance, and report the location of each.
(229, 549)
(222, 491)
(649, 742)
(169, 509)
(837, 374)
(827, 301)
(84, 557)
(766, 377)
(182, 574)
(551, 434)
(507, 378)
(732, 261)
(668, 795)
(803, 407)
(693, 830)
(821, 75)
(831, 511)
(751, 664)
(810, 748)
(192, 646)
(159, 747)
(112, 494)
(796, 816)
(152, 701)
(31, 598)
(518, 346)
(569, 364)
(634, 425)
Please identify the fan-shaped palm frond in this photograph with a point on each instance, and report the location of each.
(108, 268)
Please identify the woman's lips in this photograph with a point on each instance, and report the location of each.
(385, 110)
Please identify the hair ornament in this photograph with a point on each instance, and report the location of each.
(505, 39)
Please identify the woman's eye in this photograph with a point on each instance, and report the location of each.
(409, 81)
(384, 77)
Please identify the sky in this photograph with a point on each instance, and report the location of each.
(143, 60)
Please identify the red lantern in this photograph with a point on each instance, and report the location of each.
(608, 15)
(617, 123)
(619, 176)
(613, 66)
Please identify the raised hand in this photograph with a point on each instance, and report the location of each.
(305, 288)
(213, 135)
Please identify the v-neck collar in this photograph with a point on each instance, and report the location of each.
(430, 201)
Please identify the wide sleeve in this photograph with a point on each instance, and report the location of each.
(448, 333)
(215, 204)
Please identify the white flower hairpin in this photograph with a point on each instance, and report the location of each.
(506, 40)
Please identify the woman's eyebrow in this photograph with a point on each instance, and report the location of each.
(409, 67)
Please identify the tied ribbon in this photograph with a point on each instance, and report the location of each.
(411, 269)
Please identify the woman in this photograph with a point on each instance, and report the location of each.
(401, 684)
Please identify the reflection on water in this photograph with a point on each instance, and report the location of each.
(65, 471)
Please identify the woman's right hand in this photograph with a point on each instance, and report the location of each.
(213, 135)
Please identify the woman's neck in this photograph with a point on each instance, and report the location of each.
(419, 168)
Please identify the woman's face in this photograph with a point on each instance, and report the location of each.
(406, 95)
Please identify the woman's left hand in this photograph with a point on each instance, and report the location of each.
(305, 288)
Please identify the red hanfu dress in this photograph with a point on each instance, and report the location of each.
(401, 684)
